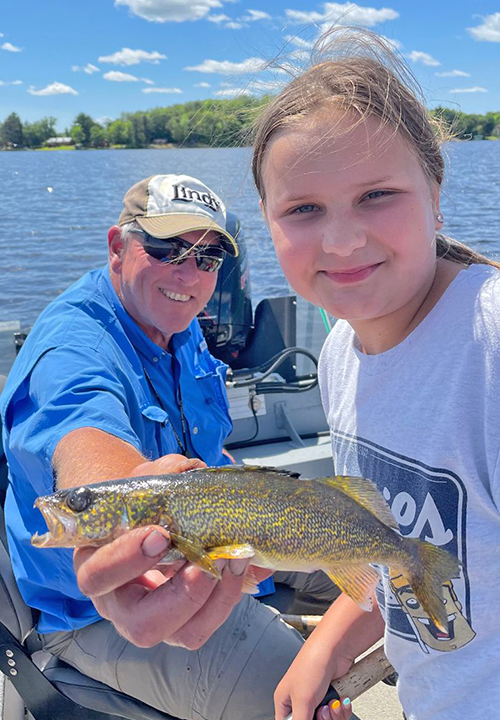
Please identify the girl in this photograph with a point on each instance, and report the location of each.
(349, 169)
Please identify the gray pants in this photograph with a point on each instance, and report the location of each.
(232, 677)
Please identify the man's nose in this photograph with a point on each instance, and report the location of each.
(187, 271)
(342, 236)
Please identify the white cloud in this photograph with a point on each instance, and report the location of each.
(233, 92)
(11, 82)
(217, 18)
(254, 15)
(1, 35)
(104, 119)
(265, 86)
(170, 10)
(126, 56)
(11, 48)
(299, 42)
(55, 88)
(117, 76)
(474, 89)
(343, 14)
(234, 25)
(162, 90)
(489, 30)
(453, 73)
(422, 57)
(88, 68)
(203, 85)
(394, 44)
(226, 67)
(17, 82)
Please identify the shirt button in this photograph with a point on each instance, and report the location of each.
(155, 359)
(195, 431)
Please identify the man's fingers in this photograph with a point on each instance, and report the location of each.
(226, 594)
(102, 570)
(147, 617)
(172, 463)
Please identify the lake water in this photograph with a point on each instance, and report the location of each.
(56, 208)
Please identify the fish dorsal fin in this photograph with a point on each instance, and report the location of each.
(250, 468)
(364, 492)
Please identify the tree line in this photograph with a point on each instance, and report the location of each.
(218, 123)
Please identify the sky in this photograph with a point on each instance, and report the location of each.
(105, 57)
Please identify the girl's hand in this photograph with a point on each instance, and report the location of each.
(306, 683)
(335, 710)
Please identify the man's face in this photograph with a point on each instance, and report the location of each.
(162, 298)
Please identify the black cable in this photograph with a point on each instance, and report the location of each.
(270, 366)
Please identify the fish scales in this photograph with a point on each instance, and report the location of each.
(314, 521)
(339, 524)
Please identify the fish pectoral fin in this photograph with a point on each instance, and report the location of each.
(231, 551)
(195, 554)
(357, 581)
(171, 556)
(250, 584)
(364, 492)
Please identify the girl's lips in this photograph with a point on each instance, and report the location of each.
(354, 275)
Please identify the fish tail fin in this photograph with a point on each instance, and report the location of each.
(434, 567)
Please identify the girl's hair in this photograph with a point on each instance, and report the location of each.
(366, 77)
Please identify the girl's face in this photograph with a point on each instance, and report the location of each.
(353, 219)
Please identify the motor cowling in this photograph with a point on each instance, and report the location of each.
(227, 319)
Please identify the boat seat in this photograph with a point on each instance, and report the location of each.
(49, 688)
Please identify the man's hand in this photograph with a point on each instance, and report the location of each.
(179, 604)
(146, 602)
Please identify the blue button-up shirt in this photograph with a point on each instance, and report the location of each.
(82, 365)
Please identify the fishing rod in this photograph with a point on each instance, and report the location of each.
(363, 675)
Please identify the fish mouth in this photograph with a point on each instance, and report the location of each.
(62, 529)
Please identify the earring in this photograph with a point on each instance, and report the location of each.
(440, 218)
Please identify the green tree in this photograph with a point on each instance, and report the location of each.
(120, 132)
(11, 131)
(138, 134)
(77, 134)
(98, 137)
(86, 123)
(36, 133)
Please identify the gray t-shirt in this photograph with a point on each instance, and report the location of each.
(422, 420)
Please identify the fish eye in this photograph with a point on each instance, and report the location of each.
(79, 499)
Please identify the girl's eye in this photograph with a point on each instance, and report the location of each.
(304, 209)
(375, 194)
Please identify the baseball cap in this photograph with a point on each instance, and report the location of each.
(169, 205)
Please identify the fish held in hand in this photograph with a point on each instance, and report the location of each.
(339, 525)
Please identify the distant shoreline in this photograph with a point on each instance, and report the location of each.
(169, 146)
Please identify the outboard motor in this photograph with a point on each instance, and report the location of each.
(227, 319)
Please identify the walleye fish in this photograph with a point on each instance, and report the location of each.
(339, 525)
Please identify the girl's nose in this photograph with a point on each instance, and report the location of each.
(342, 237)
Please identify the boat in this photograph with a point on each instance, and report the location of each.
(278, 421)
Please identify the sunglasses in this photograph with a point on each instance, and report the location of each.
(176, 250)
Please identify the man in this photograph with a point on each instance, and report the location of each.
(115, 380)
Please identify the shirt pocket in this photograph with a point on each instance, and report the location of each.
(160, 438)
(212, 388)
